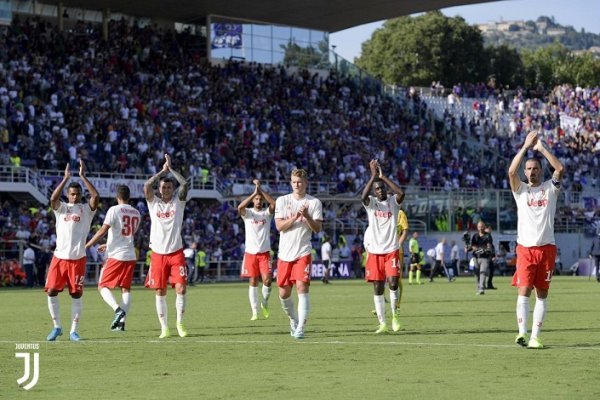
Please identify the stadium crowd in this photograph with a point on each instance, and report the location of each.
(569, 119)
(121, 104)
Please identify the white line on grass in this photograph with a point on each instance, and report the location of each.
(303, 341)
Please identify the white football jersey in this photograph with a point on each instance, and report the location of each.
(166, 221)
(536, 208)
(258, 230)
(124, 221)
(326, 251)
(439, 252)
(381, 236)
(294, 243)
(73, 223)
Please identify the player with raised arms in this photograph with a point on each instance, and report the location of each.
(536, 249)
(257, 250)
(167, 260)
(381, 243)
(73, 221)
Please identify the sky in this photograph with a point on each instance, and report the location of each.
(577, 13)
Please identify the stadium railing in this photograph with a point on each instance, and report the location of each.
(437, 208)
(24, 175)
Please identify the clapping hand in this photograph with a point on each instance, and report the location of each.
(374, 166)
(81, 168)
(67, 171)
(531, 139)
(167, 164)
(539, 145)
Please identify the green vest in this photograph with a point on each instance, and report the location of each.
(413, 246)
(201, 259)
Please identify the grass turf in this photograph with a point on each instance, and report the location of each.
(453, 345)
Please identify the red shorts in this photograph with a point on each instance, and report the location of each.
(255, 265)
(535, 266)
(116, 273)
(290, 272)
(166, 268)
(381, 266)
(66, 272)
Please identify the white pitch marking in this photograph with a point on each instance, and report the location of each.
(303, 341)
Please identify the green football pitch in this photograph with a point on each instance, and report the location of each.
(453, 345)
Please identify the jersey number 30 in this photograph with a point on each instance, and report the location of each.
(130, 225)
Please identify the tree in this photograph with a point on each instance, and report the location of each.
(306, 57)
(506, 65)
(419, 50)
(585, 70)
(547, 66)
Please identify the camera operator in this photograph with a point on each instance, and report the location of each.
(466, 238)
(482, 247)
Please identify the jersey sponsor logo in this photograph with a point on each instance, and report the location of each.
(300, 218)
(72, 217)
(383, 214)
(165, 214)
(537, 203)
(258, 221)
(291, 213)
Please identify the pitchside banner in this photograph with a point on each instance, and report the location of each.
(342, 267)
(107, 187)
(339, 269)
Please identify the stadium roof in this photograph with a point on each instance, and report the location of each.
(324, 15)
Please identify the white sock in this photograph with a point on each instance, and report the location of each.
(266, 293)
(76, 309)
(394, 296)
(253, 296)
(180, 307)
(380, 307)
(126, 297)
(288, 307)
(109, 298)
(522, 313)
(303, 309)
(54, 308)
(161, 311)
(539, 313)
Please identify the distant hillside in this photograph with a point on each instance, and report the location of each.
(535, 34)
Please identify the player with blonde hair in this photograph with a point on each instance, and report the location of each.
(297, 216)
